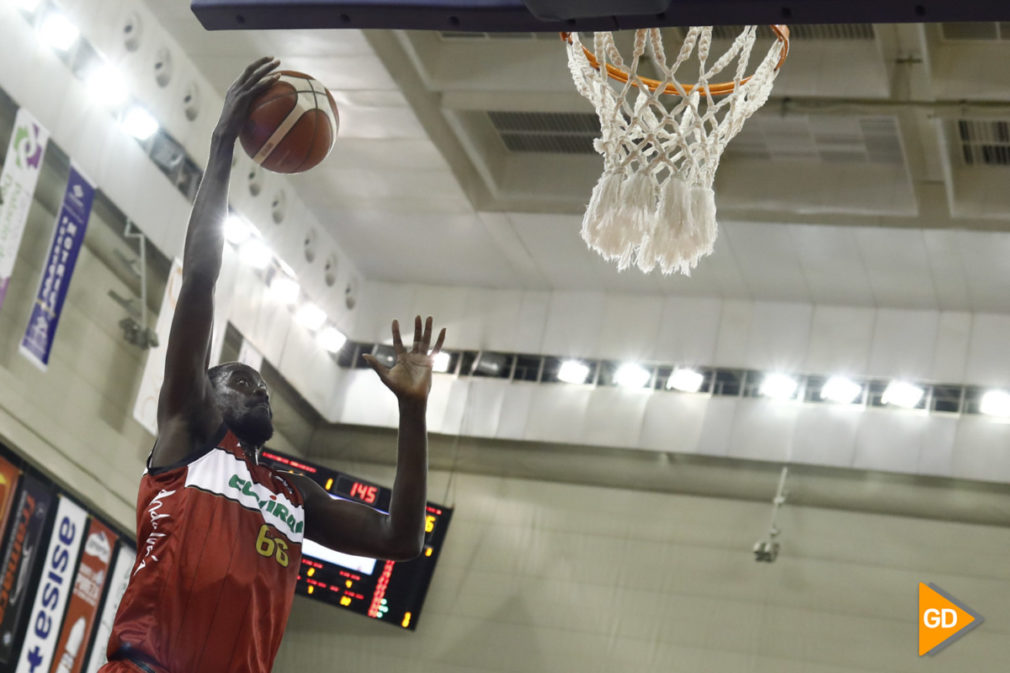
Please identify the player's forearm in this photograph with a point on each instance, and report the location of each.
(409, 499)
(205, 234)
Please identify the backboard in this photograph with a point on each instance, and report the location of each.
(532, 15)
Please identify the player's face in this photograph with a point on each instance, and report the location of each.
(244, 402)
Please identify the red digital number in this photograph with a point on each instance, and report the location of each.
(364, 492)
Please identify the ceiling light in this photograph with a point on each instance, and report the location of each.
(331, 339)
(29, 5)
(902, 394)
(573, 371)
(631, 375)
(440, 363)
(841, 389)
(778, 386)
(995, 403)
(139, 123)
(58, 31)
(107, 85)
(286, 268)
(284, 289)
(686, 380)
(236, 229)
(311, 316)
(256, 253)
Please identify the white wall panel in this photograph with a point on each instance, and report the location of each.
(380, 303)
(717, 427)
(614, 417)
(448, 404)
(982, 450)
(630, 326)
(988, 354)
(953, 338)
(557, 412)
(890, 440)
(515, 411)
(904, 343)
(483, 408)
(446, 306)
(673, 422)
(573, 324)
(779, 335)
(532, 322)
(937, 454)
(688, 330)
(825, 434)
(763, 429)
(840, 340)
(734, 333)
(362, 399)
(310, 369)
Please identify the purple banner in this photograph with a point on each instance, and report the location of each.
(67, 240)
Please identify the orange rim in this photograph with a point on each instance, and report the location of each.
(720, 89)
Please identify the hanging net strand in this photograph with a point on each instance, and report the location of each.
(661, 139)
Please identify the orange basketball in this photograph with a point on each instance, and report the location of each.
(292, 125)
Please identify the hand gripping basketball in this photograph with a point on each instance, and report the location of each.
(253, 81)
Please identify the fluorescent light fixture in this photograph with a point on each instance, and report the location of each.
(236, 230)
(631, 375)
(573, 371)
(284, 289)
(311, 316)
(286, 268)
(840, 389)
(331, 339)
(58, 31)
(685, 380)
(778, 386)
(995, 403)
(139, 123)
(440, 363)
(256, 253)
(107, 85)
(29, 5)
(902, 394)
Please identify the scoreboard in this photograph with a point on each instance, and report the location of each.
(388, 591)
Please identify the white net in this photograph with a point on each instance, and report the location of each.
(654, 204)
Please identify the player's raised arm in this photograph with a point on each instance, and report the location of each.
(185, 418)
(356, 529)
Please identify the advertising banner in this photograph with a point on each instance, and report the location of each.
(9, 475)
(68, 237)
(21, 555)
(20, 174)
(54, 587)
(120, 577)
(91, 575)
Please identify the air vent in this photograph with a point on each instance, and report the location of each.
(984, 143)
(975, 31)
(552, 132)
(821, 138)
(800, 31)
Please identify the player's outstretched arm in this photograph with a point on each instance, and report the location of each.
(186, 418)
(356, 529)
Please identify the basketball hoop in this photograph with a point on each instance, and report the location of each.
(654, 203)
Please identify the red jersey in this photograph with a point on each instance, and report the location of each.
(218, 550)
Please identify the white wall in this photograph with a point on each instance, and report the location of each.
(547, 577)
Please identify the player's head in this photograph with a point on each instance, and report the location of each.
(242, 398)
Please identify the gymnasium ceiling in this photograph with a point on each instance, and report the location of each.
(858, 184)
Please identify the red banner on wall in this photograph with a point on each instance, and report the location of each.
(80, 619)
(9, 476)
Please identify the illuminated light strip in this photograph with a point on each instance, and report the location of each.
(434, 510)
(380, 590)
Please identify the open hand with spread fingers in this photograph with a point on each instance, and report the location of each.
(410, 377)
(253, 81)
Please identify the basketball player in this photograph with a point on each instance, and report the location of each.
(219, 535)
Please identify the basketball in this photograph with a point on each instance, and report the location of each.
(292, 125)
